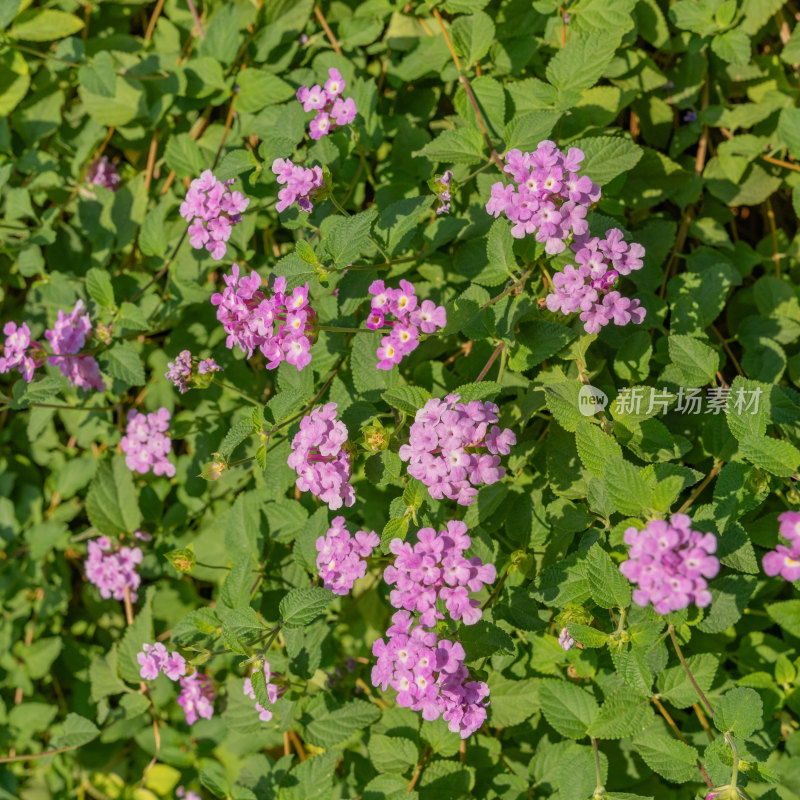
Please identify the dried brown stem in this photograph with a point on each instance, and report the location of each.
(327, 28)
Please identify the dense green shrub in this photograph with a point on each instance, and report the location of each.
(687, 115)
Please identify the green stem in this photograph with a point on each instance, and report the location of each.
(72, 408)
(735, 753)
(236, 391)
(479, 170)
(363, 156)
(623, 614)
(688, 671)
(599, 789)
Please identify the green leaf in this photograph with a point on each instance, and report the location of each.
(623, 713)
(259, 88)
(98, 284)
(730, 596)
(695, 361)
(607, 157)
(396, 224)
(670, 758)
(396, 528)
(477, 391)
(111, 503)
(733, 46)
(240, 431)
(76, 731)
(235, 163)
(740, 712)
(787, 614)
(513, 701)
(285, 404)
(346, 237)
(122, 361)
(748, 408)
(586, 635)
(626, 488)
(675, 686)
(183, 156)
(461, 146)
(408, 399)
(579, 64)
(568, 708)
(473, 36)
(777, 456)
(499, 247)
(789, 129)
(610, 589)
(483, 639)
(40, 391)
(392, 753)
(302, 606)
(595, 447)
(525, 131)
(44, 25)
(337, 726)
(235, 591)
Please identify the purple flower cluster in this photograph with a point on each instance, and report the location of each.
(155, 659)
(565, 640)
(197, 697)
(197, 690)
(103, 172)
(333, 111)
(429, 674)
(442, 185)
(341, 557)
(19, 352)
(146, 444)
(435, 568)
(670, 562)
(410, 317)
(212, 209)
(273, 693)
(547, 196)
(587, 286)
(113, 569)
(300, 184)
(783, 560)
(280, 325)
(445, 446)
(186, 794)
(66, 338)
(180, 370)
(321, 458)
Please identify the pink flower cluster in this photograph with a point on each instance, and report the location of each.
(429, 674)
(434, 569)
(197, 697)
(103, 172)
(212, 209)
(587, 286)
(197, 690)
(300, 184)
(280, 325)
(66, 338)
(19, 352)
(333, 111)
(783, 560)
(669, 562)
(321, 458)
(410, 317)
(155, 659)
(445, 444)
(273, 693)
(442, 184)
(112, 569)
(146, 444)
(179, 372)
(186, 794)
(547, 196)
(566, 641)
(341, 557)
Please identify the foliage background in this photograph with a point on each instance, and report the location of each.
(714, 200)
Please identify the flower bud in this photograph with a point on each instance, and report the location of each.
(103, 333)
(213, 470)
(182, 560)
(376, 437)
(522, 562)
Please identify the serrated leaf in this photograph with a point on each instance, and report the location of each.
(670, 758)
(674, 685)
(111, 502)
(302, 606)
(396, 528)
(622, 714)
(408, 399)
(777, 456)
(44, 25)
(346, 237)
(595, 447)
(477, 391)
(484, 639)
(461, 146)
(740, 712)
(787, 614)
(135, 636)
(608, 586)
(337, 726)
(98, 284)
(626, 488)
(607, 157)
(76, 731)
(122, 361)
(235, 436)
(695, 361)
(392, 753)
(569, 709)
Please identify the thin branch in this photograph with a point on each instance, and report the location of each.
(727, 349)
(196, 17)
(671, 722)
(696, 493)
(688, 671)
(492, 358)
(327, 28)
(151, 26)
